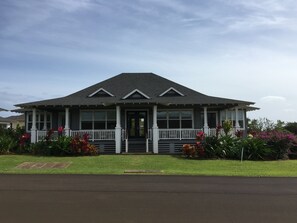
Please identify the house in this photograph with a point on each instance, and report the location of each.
(4, 123)
(135, 112)
(12, 121)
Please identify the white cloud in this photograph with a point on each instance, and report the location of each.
(289, 110)
(273, 99)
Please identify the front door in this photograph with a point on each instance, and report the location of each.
(137, 124)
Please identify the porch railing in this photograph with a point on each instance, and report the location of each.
(41, 134)
(189, 133)
(95, 135)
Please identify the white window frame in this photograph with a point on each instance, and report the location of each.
(232, 115)
(177, 110)
(96, 110)
(38, 119)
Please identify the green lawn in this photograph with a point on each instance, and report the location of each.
(117, 164)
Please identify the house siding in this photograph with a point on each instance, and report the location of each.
(105, 147)
(172, 146)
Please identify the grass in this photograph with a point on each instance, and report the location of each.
(170, 165)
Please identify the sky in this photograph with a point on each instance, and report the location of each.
(240, 49)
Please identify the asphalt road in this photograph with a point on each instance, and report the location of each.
(93, 198)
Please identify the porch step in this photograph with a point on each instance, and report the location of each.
(136, 146)
(142, 153)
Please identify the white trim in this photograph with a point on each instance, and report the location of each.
(181, 94)
(134, 91)
(101, 89)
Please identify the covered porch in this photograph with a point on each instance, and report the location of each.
(130, 128)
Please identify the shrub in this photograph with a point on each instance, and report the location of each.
(228, 147)
(11, 139)
(189, 150)
(280, 143)
(211, 147)
(64, 146)
(227, 126)
(82, 146)
(255, 149)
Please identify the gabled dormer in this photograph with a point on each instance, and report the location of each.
(136, 94)
(171, 92)
(101, 93)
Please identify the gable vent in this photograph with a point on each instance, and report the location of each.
(171, 92)
(101, 93)
(136, 94)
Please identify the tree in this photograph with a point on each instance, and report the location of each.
(261, 124)
(291, 127)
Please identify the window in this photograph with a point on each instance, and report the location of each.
(162, 119)
(211, 119)
(175, 119)
(231, 116)
(86, 120)
(39, 120)
(186, 119)
(98, 119)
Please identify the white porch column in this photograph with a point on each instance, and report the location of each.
(67, 128)
(44, 121)
(33, 129)
(237, 126)
(205, 127)
(118, 130)
(155, 131)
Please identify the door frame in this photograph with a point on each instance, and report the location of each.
(137, 110)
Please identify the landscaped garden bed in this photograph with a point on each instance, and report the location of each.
(259, 145)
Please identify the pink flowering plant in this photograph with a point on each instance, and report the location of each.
(281, 143)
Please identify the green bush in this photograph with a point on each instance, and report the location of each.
(64, 146)
(255, 149)
(10, 140)
(279, 142)
(264, 146)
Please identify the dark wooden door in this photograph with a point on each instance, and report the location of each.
(137, 124)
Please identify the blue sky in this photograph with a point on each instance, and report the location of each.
(229, 48)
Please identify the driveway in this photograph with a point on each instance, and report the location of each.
(141, 199)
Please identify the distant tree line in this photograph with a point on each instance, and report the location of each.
(264, 124)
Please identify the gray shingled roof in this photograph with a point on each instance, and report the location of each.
(150, 84)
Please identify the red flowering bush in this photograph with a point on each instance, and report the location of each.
(197, 149)
(82, 146)
(189, 150)
(24, 140)
(49, 135)
(64, 146)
